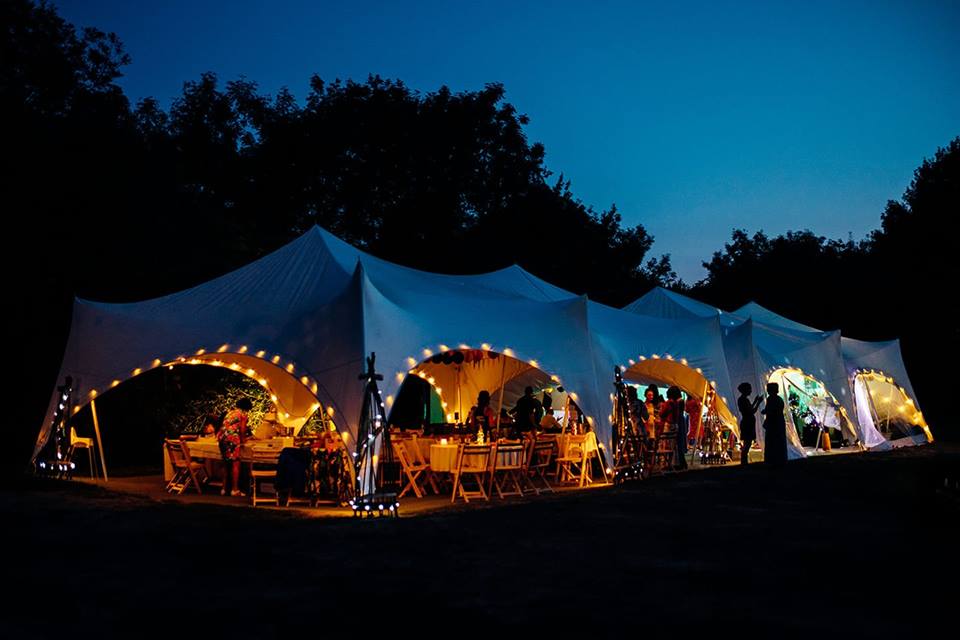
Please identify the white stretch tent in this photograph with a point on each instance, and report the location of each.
(758, 341)
(301, 320)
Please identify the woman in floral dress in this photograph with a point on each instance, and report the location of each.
(232, 435)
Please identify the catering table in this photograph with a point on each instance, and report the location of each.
(208, 448)
(443, 457)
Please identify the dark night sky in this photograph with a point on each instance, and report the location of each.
(693, 118)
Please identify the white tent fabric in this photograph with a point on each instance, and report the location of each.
(758, 341)
(302, 319)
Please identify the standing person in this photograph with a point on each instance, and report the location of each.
(652, 406)
(774, 427)
(232, 435)
(482, 416)
(748, 420)
(671, 417)
(638, 412)
(527, 412)
(694, 409)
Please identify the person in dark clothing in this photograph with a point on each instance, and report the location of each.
(748, 420)
(638, 412)
(774, 427)
(672, 416)
(528, 412)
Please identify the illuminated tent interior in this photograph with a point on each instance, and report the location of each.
(886, 405)
(807, 406)
(666, 372)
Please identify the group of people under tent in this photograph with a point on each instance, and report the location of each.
(528, 416)
(655, 415)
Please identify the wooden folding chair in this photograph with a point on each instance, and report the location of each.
(507, 468)
(538, 461)
(412, 471)
(665, 451)
(263, 466)
(473, 460)
(572, 464)
(186, 472)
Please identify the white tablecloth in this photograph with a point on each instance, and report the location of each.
(443, 457)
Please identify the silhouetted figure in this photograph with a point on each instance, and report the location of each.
(774, 427)
(527, 412)
(672, 416)
(549, 422)
(481, 416)
(748, 420)
(638, 412)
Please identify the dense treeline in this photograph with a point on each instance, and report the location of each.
(113, 201)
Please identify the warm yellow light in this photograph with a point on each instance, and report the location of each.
(533, 363)
(290, 368)
(330, 411)
(251, 372)
(273, 398)
(431, 380)
(234, 366)
(464, 346)
(275, 359)
(260, 354)
(243, 349)
(574, 396)
(156, 363)
(485, 346)
(389, 401)
(427, 353)
(669, 357)
(555, 378)
(444, 347)
(449, 417)
(422, 374)
(137, 371)
(345, 436)
(699, 370)
(655, 356)
(314, 407)
(200, 352)
(194, 361)
(439, 390)
(93, 393)
(304, 380)
(508, 352)
(411, 362)
(76, 409)
(443, 404)
(222, 348)
(642, 358)
(713, 384)
(399, 376)
(683, 361)
(902, 409)
(314, 388)
(114, 383)
(263, 382)
(631, 361)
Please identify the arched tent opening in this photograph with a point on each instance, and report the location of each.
(162, 400)
(886, 406)
(455, 378)
(712, 423)
(811, 412)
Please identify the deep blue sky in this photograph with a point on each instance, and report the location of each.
(693, 118)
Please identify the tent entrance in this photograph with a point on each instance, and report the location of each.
(886, 406)
(176, 398)
(437, 394)
(817, 418)
(711, 427)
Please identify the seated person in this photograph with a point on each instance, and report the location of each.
(549, 422)
(481, 416)
(210, 426)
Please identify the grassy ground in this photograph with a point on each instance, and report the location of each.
(864, 544)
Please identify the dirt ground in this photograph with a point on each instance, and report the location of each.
(865, 544)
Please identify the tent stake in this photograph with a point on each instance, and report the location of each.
(96, 427)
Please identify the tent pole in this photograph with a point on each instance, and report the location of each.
(459, 397)
(702, 422)
(503, 370)
(96, 428)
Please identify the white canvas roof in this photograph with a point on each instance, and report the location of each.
(301, 320)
